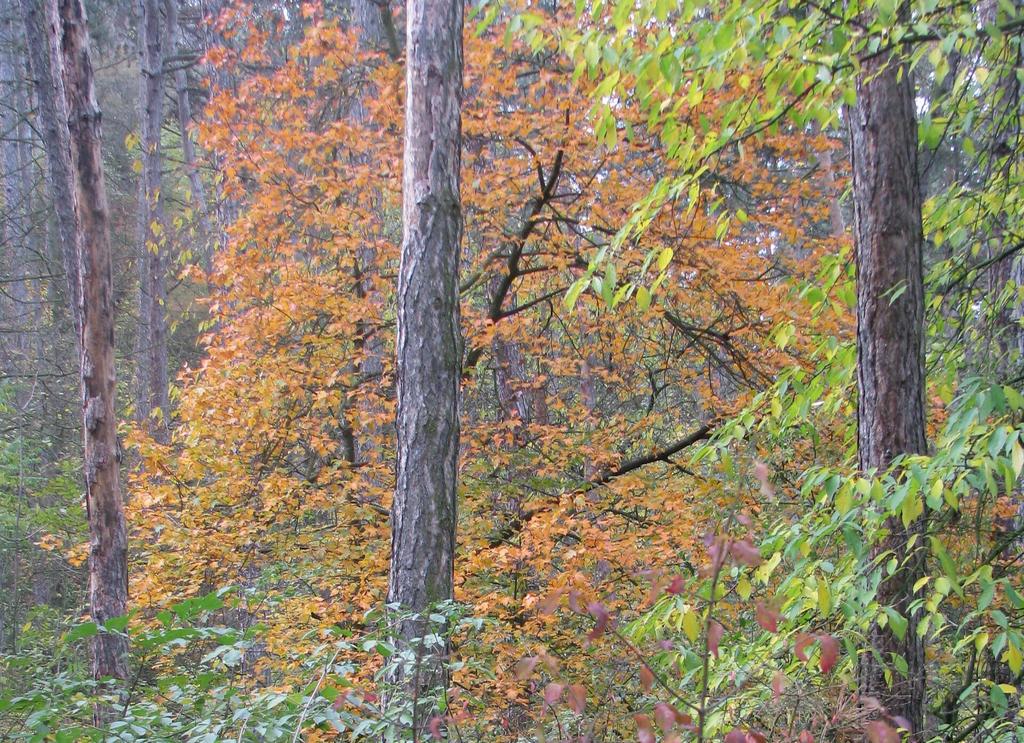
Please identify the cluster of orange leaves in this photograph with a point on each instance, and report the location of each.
(278, 476)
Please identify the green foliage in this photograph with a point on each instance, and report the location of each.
(188, 684)
(822, 556)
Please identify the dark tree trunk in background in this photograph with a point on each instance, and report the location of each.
(108, 576)
(376, 25)
(42, 45)
(188, 148)
(151, 348)
(15, 218)
(429, 346)
(890, 347)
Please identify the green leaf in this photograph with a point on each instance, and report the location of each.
(897, 623)
(86, 629)
(948, 567)
(574, 293)
(643, 298)
(670, 70)
(664, 258)
(997, 696)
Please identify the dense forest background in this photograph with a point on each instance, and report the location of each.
(734, 390)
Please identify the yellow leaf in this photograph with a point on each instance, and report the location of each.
(691, 625)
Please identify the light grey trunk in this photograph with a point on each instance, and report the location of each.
(151, 350)
(15, 222)
(429, 346)
(890, 348)
(51, 118)
(188, 147)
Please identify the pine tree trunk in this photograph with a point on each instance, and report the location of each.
(188, 148)
(890, 348)
(152, 339)
(423, 515)
(42, 45)
(108, 577)
(15, 219)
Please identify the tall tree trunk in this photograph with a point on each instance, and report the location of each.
(108, 574)
(15, 222)
(890, 348)
(429, 347)
(42, 45)
(188, 148)
(376, 26)
(1002, 118)
(152, 337)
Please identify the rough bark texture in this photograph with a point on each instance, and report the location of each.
(152, 338)
(890, 346)
(41, 43)
(429, 344)
(376, 26)
(108, 576)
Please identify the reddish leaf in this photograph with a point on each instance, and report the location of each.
(715, 632)
(657, 587)
(576, 698)
(767, 617)
(880, 732)
(524, 668)
(756, 736)
(574, 601)
(806, 737)
(803, 641)
(829, 652)
(600, 614)
(736, 736)
(778, 685)
(435, 728)
(550, 662)
(644, 731)
(761, 474)
(746, 553)
(666, 716)
(646, 678)
(717, 548)
(676, 585)
(549, 604)
(552, 693)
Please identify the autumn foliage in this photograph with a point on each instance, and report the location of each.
(279, 473)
